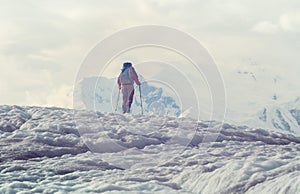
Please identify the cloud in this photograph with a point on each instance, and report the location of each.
(287, 22)
(290, 22)
(265, 27)
(58, 96)
(42, 43)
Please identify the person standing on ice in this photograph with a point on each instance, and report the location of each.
(126, 80)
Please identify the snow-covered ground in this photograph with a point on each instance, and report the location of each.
(55, 150)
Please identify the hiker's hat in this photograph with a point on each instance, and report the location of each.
(127, 64)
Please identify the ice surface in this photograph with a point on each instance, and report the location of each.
(54, 150)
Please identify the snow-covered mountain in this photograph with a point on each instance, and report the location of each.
(100, 94)
(263, 103)
(267, 100)
(55, 150)
(285, 117)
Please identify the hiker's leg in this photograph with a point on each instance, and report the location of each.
(127, 90)
(124, 94)
(130, 99)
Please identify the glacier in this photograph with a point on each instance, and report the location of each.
(56, 150)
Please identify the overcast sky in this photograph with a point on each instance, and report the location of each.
(43, 43)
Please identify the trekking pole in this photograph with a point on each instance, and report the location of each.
(117, 100)
(141, 99)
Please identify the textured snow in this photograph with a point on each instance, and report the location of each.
(55, 150)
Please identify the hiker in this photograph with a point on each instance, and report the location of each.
(126, 80)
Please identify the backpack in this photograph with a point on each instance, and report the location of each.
(125, 77)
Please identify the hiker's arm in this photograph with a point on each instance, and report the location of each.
(135, 76)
